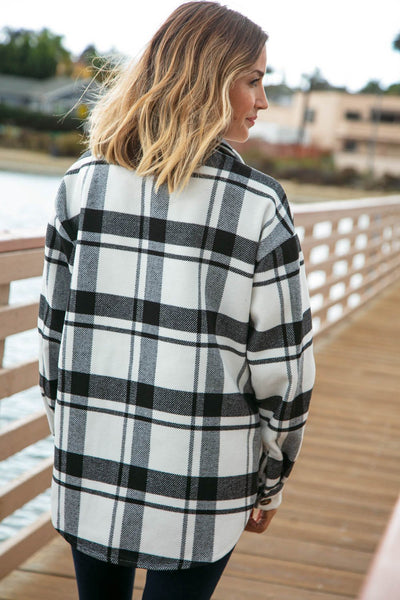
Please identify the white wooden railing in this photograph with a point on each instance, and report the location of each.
(352, 251)
(21, 257)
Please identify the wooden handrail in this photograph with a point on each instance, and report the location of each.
(17, 318)
(27, 486)
(22, 433)
(21, 239)
(18, 378)
(26, 542)
(21, 256)
(22, 263)
(383, 579)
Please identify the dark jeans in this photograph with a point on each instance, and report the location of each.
(98, 580)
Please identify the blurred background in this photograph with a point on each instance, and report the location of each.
(333, 83)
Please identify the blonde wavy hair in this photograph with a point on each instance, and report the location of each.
(165, 114)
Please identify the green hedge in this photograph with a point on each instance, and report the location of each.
(320, 171)
(55, 143)
(20, 117)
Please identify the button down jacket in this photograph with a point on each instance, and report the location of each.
(176, 358)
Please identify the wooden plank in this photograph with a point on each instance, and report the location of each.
(21, 239)
(54, 558)
(302, 552)
(297, 575)
(236, 588)
(357, 488)
(335, 452)
(27, 541)
(18, 378)
(21, 264)
(330, 516)
(22, 433)
(4, 293)
(351, 471)
(35, 586)
(338, 534)
(344, 505)
(18, 317)
(24, 488)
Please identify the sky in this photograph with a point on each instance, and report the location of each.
(350, 41)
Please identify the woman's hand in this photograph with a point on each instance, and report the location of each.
(259, 520)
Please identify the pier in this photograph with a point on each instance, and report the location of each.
(338, 528)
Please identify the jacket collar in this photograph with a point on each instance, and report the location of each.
(226, 148)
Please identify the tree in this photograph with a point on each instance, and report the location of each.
(93, 64)
(372, 87)
(396, 43)
(393, 89)
(30, 53)
(317, 82)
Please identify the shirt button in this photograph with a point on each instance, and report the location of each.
(265, 501)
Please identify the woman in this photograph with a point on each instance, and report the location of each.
(176, 354)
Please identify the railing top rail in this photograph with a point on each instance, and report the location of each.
(21, 239)
(341, 206)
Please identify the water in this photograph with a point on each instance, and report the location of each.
(26, 202)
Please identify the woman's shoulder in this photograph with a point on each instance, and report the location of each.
(235, 170)
(263, 192)
(84, 161)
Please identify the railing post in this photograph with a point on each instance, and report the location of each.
(4, 297)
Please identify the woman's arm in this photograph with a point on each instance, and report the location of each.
(281, 361)
(52, 307)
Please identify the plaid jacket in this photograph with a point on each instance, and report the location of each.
(176, 359)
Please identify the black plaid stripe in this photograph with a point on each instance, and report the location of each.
(175, 332)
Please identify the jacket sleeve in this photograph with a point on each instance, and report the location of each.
(52, 307)
(280, 358)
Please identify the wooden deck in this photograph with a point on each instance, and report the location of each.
(340, 495)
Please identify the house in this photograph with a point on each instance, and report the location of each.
(361, 130)
(56, 95)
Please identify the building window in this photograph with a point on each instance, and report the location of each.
(385, 116)
(352, 115)
(350, 146)
(309, 115)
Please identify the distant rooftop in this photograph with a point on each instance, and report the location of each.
(41, 94)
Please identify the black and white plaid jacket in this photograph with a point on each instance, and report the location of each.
(176, 359)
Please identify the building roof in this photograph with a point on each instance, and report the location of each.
(40, 88)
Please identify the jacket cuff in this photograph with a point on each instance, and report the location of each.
(269, 503)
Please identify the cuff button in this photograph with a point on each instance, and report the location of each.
(265, 501)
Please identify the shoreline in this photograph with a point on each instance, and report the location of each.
(39, 163)
(33, 163)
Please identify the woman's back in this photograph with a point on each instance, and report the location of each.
(156, 419)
